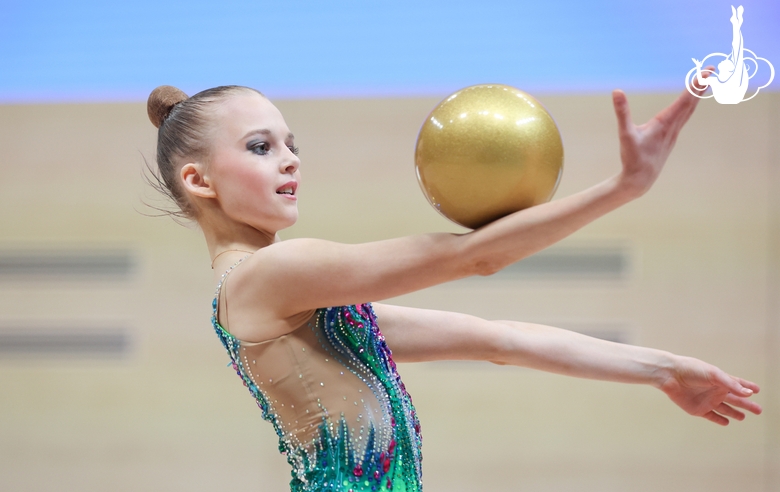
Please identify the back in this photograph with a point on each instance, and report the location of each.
(332, 392)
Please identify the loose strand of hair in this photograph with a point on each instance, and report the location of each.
(152, 177)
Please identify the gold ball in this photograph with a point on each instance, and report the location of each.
(487, 151)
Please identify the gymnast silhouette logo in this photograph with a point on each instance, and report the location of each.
(730, 83)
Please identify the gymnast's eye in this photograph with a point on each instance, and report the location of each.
(293, 149)
(259, 148)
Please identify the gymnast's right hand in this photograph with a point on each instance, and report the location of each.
(703, 390)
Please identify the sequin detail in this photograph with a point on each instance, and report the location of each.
(378, 448)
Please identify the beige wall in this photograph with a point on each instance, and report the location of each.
(705, 281)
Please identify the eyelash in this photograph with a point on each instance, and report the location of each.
(264, 147)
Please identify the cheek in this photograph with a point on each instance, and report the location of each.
(241, 189)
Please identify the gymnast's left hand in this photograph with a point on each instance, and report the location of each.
(703, 390)
(645, 148)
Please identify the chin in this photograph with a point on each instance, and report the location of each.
(273, 224)
(288, 221)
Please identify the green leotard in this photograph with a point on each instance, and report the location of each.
(333, 394)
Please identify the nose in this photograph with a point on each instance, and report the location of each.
(291, 164)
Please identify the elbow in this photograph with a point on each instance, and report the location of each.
(482, 264)
(501, 348)
(485, 268)
(474, 260)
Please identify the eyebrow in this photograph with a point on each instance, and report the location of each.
(265, 131)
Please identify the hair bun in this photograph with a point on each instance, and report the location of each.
(161, 102)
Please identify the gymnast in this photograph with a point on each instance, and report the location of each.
(301, 318)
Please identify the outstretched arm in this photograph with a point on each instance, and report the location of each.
(293, 276)
(643, 152)
(701, 389)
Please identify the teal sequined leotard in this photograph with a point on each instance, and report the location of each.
(333, 394)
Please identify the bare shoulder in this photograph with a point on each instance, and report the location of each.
(281, 267)
(249, 304)
(267, 262)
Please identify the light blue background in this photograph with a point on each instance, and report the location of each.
(119, 51)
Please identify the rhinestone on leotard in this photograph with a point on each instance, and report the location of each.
(390, 457)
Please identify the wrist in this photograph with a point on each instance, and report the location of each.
(634, 185)
(664, 369)
(624, 188)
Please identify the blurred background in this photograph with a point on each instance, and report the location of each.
(111, 377)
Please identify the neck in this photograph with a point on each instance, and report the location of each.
(234, 241)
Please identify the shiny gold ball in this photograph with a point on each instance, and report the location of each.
(487, 151)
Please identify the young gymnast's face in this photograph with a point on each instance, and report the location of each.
(253, 163)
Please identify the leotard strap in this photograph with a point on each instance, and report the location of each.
(215, 303)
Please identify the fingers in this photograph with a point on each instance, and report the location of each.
(700, 88)
(740, 391)
(734, 385)
(728, 411)
(705, 73)
(714, 417)
(622, 111)
(676, 114)
(721, 413)
(738, 388)
(743, 403)
(748, 384)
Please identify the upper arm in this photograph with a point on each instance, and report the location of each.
(418, 335)
(296, 275)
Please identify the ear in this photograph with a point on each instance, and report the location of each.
(196, 181)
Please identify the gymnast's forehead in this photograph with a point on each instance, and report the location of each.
(248, 112)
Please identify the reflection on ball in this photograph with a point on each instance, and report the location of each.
(487, 151)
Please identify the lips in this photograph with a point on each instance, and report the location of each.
(287, 188)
